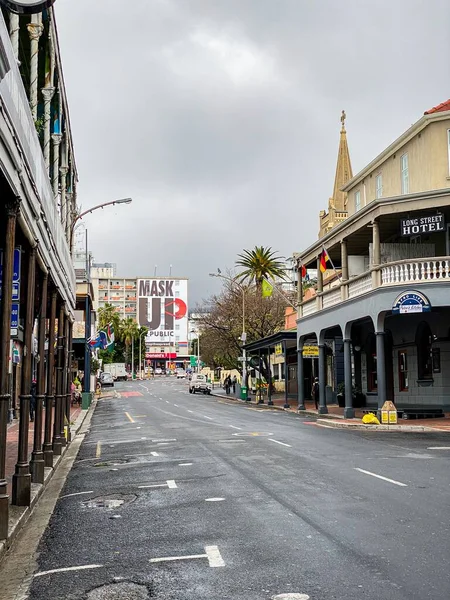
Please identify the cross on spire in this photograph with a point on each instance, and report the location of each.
(343, 117)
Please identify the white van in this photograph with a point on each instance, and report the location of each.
(199, 383)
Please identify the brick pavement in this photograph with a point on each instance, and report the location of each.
(12, 438)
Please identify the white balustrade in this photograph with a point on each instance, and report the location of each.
(332, 297)
(416, 271)
(360, 286)
(309, 308)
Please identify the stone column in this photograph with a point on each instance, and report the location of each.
(21, 483)
(9, 218)
(69, 374)
(56, 138)
(48, 448)
(69, 215)
(66, 406)
(64, 213)
(381, 369)
(349, 411)
(48, 93)
(269, 388)
(37, 456)
(14, 28)
(35, 29)
(376, 254)
(57, 441)
(323, 410)
(286, 377)
(301, 379)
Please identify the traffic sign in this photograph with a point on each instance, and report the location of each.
(242, 359)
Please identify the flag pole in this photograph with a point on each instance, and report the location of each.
(338, 275)
(280, 293)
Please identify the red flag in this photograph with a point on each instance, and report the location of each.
(303, 271)
(324, 258)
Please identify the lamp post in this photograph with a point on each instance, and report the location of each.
(132, 357)
(140, 354)
(90, 210)
(243, 336)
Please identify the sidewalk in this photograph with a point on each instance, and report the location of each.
(335, 416)
(12, 439)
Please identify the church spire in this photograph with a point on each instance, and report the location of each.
(343, 169)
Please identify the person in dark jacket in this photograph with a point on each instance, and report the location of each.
(315, 392)
(33, 400)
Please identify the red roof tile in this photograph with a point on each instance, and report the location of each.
(439, 108)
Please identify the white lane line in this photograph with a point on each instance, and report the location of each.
(190, 411)
(381, 477)
(281, 443)
(76, 494)
(184, 464)
(65, 569)
(165, 440)
(171, 484)
(214, 557)
(169, 558)
(176, 405)
(210, 418)
(234, 427)
(153, 485)
(439, 448)
(167, 402)
(154, 453)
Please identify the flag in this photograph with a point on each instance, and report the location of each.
(303, 271)
(324, 258)
(267, 289)
(107, 337)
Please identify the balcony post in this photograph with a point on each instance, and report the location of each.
(48, 448)
(376, 255)
(57, 137)
(381, 369)
(349, 411)
(319, 285)
(300, 377)
(57, 440)
(35, 29)
(323, 410)
(14, 28)
(344, 263)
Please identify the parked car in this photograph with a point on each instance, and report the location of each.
(199, 383)
(106, 379)
(158, 371)
(181, 373)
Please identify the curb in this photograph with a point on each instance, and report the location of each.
(19, 515)
(362, 427)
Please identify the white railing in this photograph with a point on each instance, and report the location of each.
(309, 308)
(331, 298)
(360, 285)
(416, 270)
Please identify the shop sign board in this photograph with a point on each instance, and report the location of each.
(310, 352)
(410, 302)
(152, 355)
(422, 224)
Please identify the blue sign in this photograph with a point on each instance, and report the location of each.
(15, 318)
(411, 302)
(16, 274)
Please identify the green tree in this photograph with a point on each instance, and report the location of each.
(129, 331)
(259, 264)
(107, 314)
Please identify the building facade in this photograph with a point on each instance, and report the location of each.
(38, 179)
(389, 307)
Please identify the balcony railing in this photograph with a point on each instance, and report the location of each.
(403, 272)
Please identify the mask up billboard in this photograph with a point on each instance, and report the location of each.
(163, 309)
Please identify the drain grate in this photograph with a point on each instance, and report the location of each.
(110, 502)
(120, 591)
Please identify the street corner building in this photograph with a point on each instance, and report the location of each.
(380, 314)
(38, 180)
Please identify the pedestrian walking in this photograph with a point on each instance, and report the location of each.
(33, 400)
(233, 383)
(227, 385)
(315, 392)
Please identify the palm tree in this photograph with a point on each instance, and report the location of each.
(107, 314)
(129, 330)
(259, 264)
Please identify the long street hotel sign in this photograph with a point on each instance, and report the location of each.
(422, 224)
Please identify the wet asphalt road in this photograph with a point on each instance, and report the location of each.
(252, 503)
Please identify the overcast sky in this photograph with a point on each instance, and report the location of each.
(221, 118)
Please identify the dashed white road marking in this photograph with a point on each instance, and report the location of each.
(210, 418)
(76, 494)
(281, 443)
(184, 464)
(171, 484)
(65, 569)
(164, 440)
(154, 453)
(212, 553)
(439, 448)
(176, 405)
(214, 499)
(190, 411)
(399, 483)
(234, 427)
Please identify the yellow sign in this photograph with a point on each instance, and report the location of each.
(388, 413)
(310, 352)
(278, 349)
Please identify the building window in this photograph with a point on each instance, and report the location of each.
(357, 200)
(403, 371)
(424, 341)
(379, 186)
(405, 174)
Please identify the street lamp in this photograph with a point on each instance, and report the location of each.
(198, 348)
(86, 212)
(244, 335)
(140, 353)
